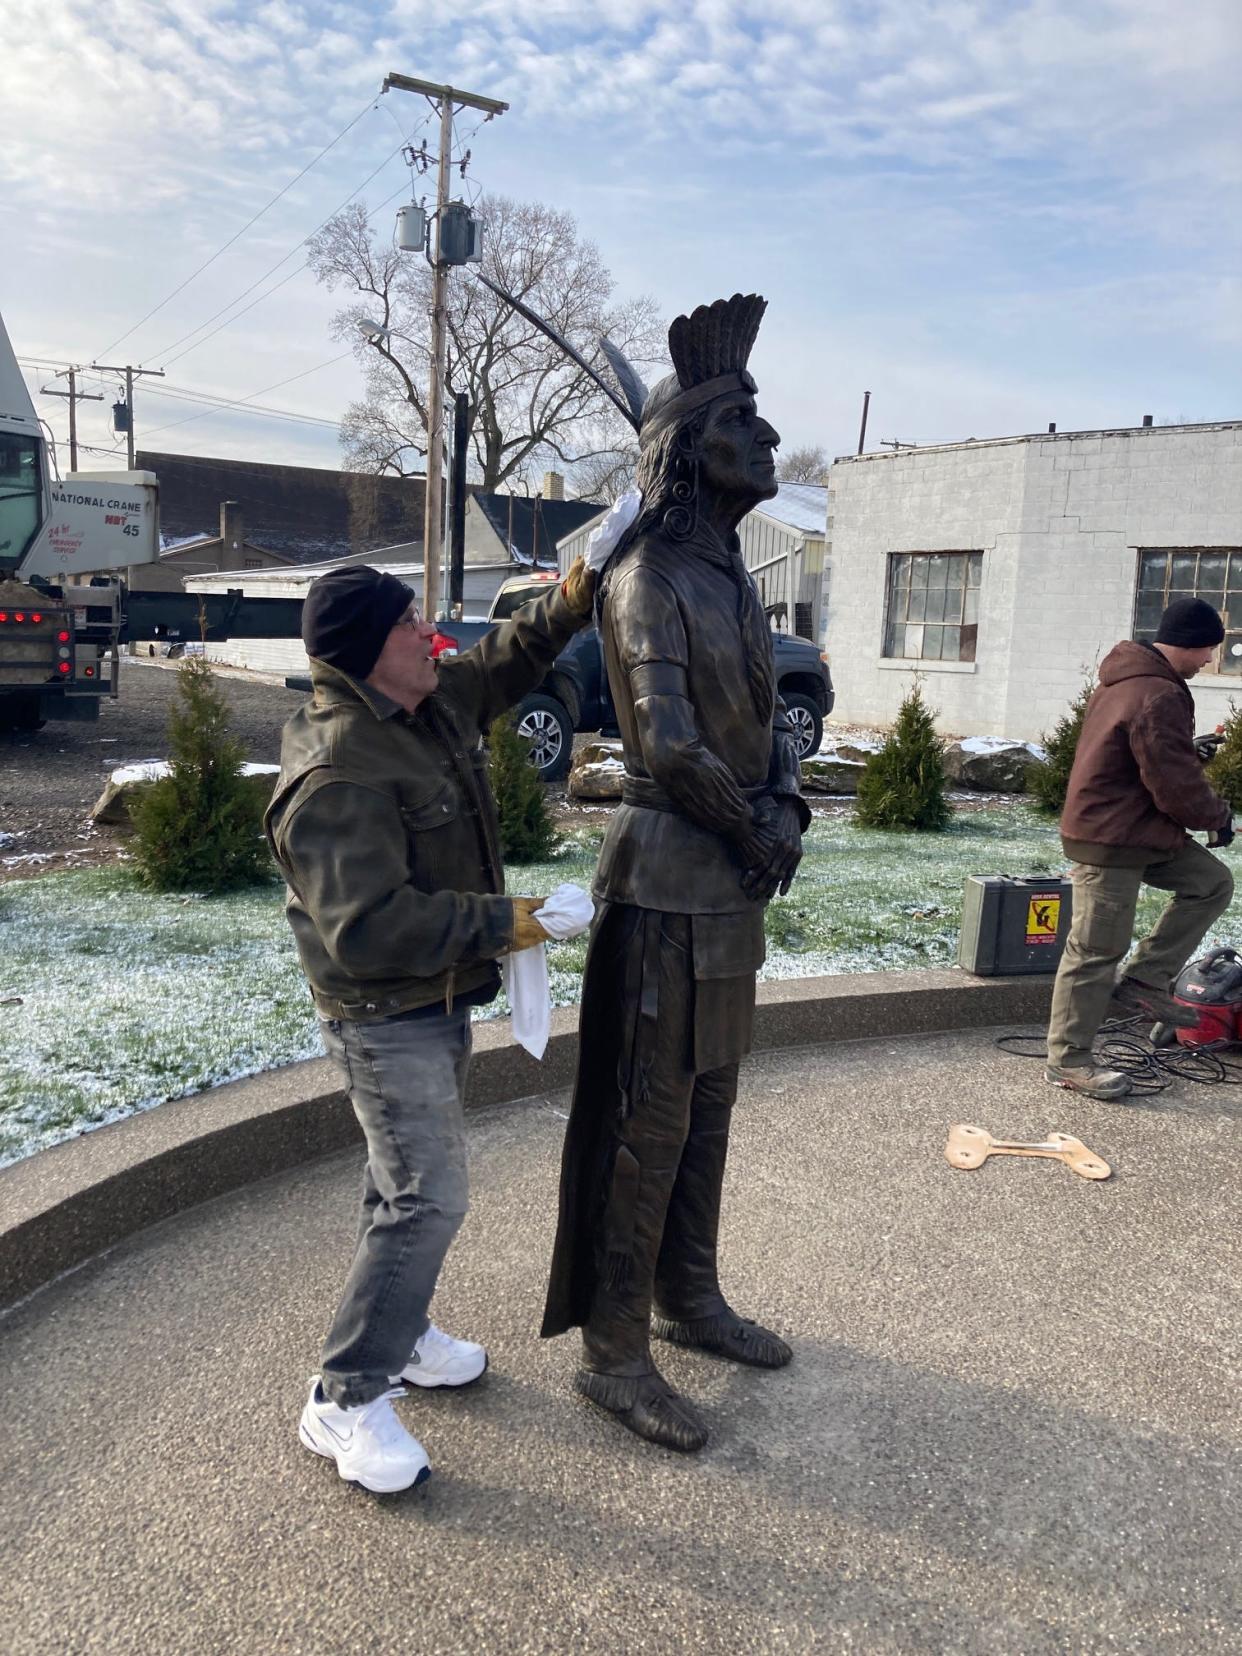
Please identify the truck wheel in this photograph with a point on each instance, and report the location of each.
(808, 725)
(545, 724)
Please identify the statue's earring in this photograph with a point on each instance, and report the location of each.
(682, 516)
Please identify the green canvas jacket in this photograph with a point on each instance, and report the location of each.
(384, 827)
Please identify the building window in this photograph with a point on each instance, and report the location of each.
(1211, 573)
(933, 605)
(254, 563)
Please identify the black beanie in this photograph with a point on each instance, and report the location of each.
(1190, 624)
(349, 613)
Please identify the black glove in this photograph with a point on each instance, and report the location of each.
(773, 850)
(1220, 837)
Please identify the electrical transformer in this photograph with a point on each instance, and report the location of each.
(459, 235)
(1014, 925)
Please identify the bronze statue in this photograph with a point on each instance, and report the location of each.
(709, 828)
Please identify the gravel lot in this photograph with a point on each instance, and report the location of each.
(50, 780)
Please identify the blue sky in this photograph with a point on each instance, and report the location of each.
(989, 215)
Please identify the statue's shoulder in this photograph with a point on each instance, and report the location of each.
(650, 554)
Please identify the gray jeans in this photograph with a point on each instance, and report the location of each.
(1102, 929)
(405, 1078)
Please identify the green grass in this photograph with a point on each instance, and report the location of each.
(130, 998)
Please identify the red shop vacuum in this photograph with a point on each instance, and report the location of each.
(1211, 988)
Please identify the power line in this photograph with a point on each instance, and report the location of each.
(296, 248)
(229, 405)
(240, 404)
(370, 104)
(276, 286)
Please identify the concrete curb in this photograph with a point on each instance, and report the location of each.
(62, 1206)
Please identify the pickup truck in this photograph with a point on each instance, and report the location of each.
(574, 696)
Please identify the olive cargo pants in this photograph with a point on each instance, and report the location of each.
(1102, 929)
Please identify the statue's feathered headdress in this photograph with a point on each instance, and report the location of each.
(710, 349)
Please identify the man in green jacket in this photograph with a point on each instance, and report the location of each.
(384, 827)
(1135, 789)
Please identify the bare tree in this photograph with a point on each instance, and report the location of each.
(803, 465)
(529, 405)
(605, 476)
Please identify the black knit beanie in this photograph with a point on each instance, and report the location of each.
(349, 613)
(1190, 624)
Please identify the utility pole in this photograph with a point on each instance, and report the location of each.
(445, 97)
(131, 374)
(862, 430)
(75, 397)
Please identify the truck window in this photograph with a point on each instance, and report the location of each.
(508, 603)
(21, 498)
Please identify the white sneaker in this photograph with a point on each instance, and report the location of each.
(369, 1444)
(440, 1360)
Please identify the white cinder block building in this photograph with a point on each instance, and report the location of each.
(1004, 570)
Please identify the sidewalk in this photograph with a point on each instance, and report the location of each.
(1011, 1424)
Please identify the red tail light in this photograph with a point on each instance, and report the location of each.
(4, 615)
(18, 615)
(64, 667)
(443, 644)
(61, 637)
(36, 618)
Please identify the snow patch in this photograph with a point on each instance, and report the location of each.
(151, 770)
(993, 744)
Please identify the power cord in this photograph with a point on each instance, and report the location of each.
(1152, 1069)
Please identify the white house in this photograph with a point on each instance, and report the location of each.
(782, 544)
(1003, 571)
(286, 655)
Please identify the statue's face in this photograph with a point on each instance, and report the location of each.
(737, 458)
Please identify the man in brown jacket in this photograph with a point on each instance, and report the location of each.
(1135, 789)
(385, 829)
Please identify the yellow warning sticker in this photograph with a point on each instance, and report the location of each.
(1043, 915)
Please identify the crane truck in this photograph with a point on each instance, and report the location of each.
(60, 640)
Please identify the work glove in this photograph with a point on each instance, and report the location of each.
(526, 929)
(578, 588)
(1220, 837)
(772, 851)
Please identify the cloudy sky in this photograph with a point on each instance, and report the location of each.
(989, 213)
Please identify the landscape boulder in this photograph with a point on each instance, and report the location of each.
(990, 764)
(596, 773)
(112, 806)
(857, 752)
(825, 773)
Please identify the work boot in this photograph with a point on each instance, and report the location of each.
(1141, 1000)
(1090, 1079)
(690, 1308)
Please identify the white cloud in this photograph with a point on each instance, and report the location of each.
(944, 184)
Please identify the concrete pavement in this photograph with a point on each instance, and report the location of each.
(1010, 1425)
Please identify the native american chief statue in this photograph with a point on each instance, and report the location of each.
(709, 828)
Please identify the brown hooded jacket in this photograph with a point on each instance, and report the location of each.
(1136, 785)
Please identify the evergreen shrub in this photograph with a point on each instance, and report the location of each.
(1225, 770)
(903, 785)
(526, 831)
(1048, 779)
(201, 827)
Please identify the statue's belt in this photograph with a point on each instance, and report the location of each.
(642, 791)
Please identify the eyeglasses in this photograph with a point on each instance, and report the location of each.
(411, 618)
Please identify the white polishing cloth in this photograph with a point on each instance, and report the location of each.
(602, 542)
(568, 911)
